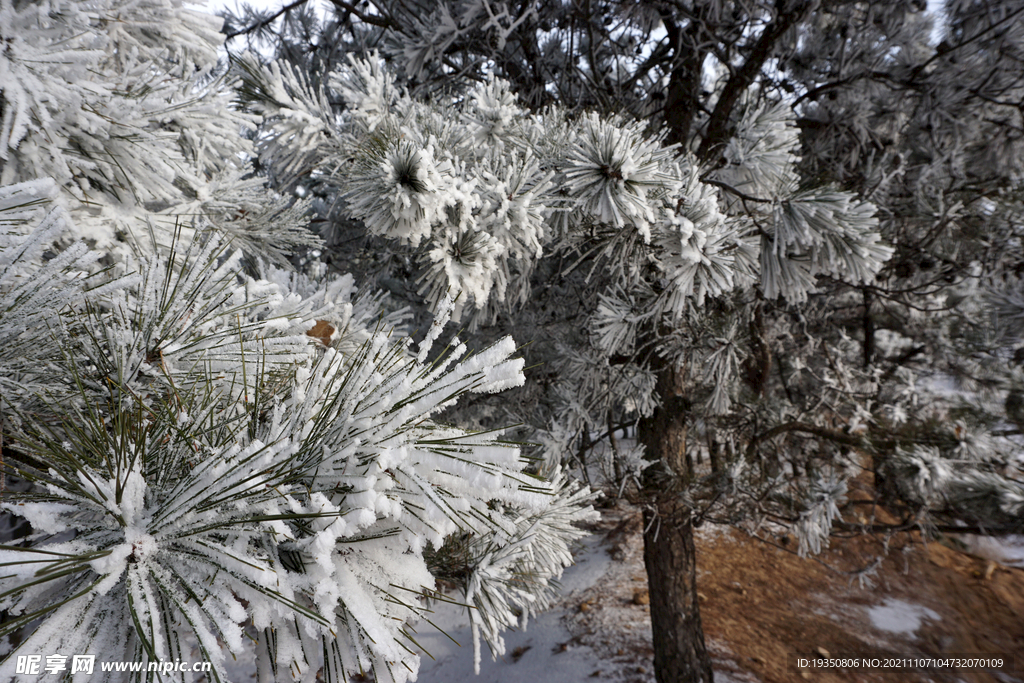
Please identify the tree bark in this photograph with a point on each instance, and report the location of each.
(682, 100)
(680, 655)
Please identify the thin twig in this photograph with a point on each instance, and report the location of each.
(265, 22)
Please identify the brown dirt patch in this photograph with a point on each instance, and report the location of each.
(765, 604)
(761, 604)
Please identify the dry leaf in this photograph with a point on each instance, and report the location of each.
(322, 332)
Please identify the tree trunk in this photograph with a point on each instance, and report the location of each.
(683, 97)
(680, 655)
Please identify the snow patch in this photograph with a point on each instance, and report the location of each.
(897, 616)
(1008, 550)
(590, 564)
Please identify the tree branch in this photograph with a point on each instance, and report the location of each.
(833, 435)
(265, 22)
(732, 190)
(372, 19)
(743, 77)
(945, 49)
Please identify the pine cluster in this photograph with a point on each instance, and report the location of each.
(211, 446)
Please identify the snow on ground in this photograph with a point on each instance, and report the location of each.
(533, 655)
(1008, 550)
(599, 631)
(899, 616)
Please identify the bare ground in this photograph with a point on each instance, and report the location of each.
(762, 604)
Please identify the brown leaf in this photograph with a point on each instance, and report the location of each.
(322, 332)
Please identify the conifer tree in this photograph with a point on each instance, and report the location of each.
(208, 444)
(776, 302)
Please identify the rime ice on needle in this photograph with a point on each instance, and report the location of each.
(204, 462)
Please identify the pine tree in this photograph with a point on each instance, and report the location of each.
(479, 195)
(774, 302)
(211, 445)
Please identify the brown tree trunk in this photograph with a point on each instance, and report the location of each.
(680, 655)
